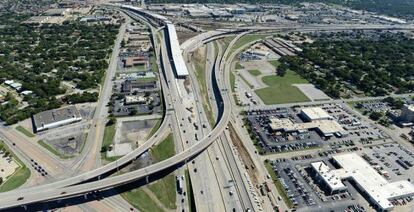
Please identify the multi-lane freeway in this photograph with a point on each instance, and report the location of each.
(178, 96)
(70, 187)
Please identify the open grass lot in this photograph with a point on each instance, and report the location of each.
(155, 128)
(274, 63)
(140, 200)
(164, 189)
(25, 132)
(278, 185)
(280, 89)
(255, 72)
(52, 150)
(247, 39)
(163, 150)
(108, 135)
(108, 138)
(19, 177)
(238, 65)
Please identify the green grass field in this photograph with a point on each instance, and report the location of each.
(21, 175)
(164, 189)
(238, 65)
(275, 63)
(163, 150)
(146, 80)
(52, 150)
(108, 138)
(247, 39)
(255, 72)
(140, 200)
(278, 185)
(25, 132)
(109, 134)
(155, 128)
(280, 89)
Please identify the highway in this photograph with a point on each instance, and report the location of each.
(111, 166)
(57, 190)
(175, 100)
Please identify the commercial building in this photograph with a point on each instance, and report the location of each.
(136, 99)
(55, 118)
(179, 65)
(373, 185)
(328, 177)
(326, 128)
(407, 114)
(315, 113)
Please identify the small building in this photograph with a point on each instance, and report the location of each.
(55, 118)
(136, 99)
(315, 113)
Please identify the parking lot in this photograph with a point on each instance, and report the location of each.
(393, 161)
(306, 195)
(358, 133)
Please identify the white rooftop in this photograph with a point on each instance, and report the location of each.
(376, 186)
(328, 176)
(177, 57)
(326, 127)
(314, 113)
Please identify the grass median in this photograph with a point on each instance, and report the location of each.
(25, 132)
(52, 150)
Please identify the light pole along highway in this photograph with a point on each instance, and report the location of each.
(70, 187)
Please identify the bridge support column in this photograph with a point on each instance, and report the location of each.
(147, 179)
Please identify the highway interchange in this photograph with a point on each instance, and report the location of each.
(208, 157)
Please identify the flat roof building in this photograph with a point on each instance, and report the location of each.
(329, 177)
(325, 127)
(55, 118)
(315, 113)
(174, 49)
(375, 186)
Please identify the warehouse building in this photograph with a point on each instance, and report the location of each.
(373, 185)
(55, 118)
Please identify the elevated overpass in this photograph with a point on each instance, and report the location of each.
(76, 186)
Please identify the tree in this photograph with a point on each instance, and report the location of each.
(375, 116)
